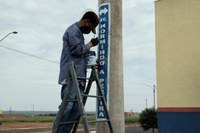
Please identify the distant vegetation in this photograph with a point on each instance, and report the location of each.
(51, 117)
(131, 120)
(31, 112)
(29, 119)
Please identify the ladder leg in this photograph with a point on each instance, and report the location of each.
(79, 98)
(84, 102)
(61, 110)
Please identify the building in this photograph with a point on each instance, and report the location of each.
(12, 116)
(178, 65)
(128, 114)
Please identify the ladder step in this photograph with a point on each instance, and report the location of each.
(91, 96)
(75, 100)
(81, 101)
(67, 122)
(83, 78)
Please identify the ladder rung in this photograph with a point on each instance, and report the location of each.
(83, 78)
(67, 122)
(91, 96)
(75, 100)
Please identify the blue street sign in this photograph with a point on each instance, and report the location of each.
(103, 55)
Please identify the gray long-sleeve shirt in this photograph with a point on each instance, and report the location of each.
(74, 49)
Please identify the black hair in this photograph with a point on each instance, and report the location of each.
(92, 17)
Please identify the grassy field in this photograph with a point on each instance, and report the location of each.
(51, 119)
(29, 119)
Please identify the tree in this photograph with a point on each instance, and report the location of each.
(148, 119)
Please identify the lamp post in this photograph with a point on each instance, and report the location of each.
(14, 32)
(154, 87)
(146, 103)
(154, 104)
(33, 110)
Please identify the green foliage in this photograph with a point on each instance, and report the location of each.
(41, 118)
(148, 119)
(131, 119)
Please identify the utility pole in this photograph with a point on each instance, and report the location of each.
(116, 90)
(33, 110)
(146, 103)
(154, 91)
(154, 101)
(10, 110)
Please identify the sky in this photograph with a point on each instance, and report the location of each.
(30, 83)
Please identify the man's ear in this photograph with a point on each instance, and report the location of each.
(86, 21)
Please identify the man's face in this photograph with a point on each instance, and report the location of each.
(86, 28)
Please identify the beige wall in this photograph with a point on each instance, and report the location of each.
(178, 52)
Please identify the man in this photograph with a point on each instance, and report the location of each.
(75, 49)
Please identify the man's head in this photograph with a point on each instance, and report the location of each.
(89, 22)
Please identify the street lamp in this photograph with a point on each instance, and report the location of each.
(154, 104)
(146, 103)
(154, 87)
(14, 32)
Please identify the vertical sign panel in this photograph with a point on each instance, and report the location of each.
(103, 55)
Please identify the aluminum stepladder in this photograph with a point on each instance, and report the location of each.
(81, 99)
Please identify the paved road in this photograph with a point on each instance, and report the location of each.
(133, 130)
(47, 130)
(138, 130)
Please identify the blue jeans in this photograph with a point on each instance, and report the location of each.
(72, 110)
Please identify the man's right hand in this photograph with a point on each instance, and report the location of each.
(94, 41)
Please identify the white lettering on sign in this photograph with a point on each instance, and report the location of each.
(101, 72)
(102, 36)
(103, 19)
(101, 114)
(103, 26)
(101, 80)
(101, 108)
(103, 54)
(101, 62)
(102, 57)
(102, 42)
(102, 31)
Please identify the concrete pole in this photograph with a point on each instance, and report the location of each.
(116, 90)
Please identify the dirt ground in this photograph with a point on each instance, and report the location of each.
(38, 127)
(30, 127)
(25, 125)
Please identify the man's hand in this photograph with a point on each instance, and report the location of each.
(94, 41)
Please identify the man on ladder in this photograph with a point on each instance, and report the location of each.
(75, 49)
